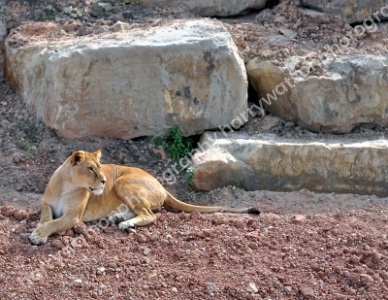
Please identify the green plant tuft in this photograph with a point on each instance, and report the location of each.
(29, 149)
(80, 12)
(190, 175)
(101, 5)
(175, 144)
(48, 15)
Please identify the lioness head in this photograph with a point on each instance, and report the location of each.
(86, 171)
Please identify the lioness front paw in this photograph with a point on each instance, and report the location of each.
(126, 224)
(36, 239)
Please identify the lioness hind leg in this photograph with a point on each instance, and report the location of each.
(137, 221)
(138, 198)
(144, 217)
(121, 216)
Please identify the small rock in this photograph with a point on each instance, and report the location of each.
(347, 27)
(58, 6)
(355, 259)
(127, 15)
(80, 228)
(105, 22)
(16, 157)
(84, 31)
(285, 249)
(73, 26)
(280, 19)
(218, 221)
(78, 280)
(288, 33)
(57, 244)
(140, 238)
(100, 271)
(253, 246)
(306, 193)
(365, 279)
(20, 214)
(120, 26)
(252, 288)
(101, 29)
(145, 260)
(288, 289)
(174, 289)
(146, 251)
(307, 292)
(69, 232)
(240, 224)
(376, 256)
(48, 7)
(117, 17)
(61, 32)
(22, 229)
(24, 236)
(269, 122)
(300, 219)
(32, 224)
(157, 22)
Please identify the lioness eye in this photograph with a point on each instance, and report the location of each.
(90, 169)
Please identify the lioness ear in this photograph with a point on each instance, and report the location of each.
(98, 154)
(76, 158)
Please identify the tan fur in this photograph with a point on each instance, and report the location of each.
(82, 189)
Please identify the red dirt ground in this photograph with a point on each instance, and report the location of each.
(193, 256)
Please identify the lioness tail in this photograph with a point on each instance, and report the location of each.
(174, 203)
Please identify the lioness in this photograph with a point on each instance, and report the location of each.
(83, 189)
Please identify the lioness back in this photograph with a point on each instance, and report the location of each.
(124, 183)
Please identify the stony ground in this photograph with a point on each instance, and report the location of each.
(303, 245)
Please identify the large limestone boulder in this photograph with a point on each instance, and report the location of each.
(132, 83)
(269, 162)
(209, 8)
(334, 97)
(351, 11)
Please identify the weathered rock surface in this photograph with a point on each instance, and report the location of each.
(209, 8)
(336, 96)
(350, 11)
(3, 30)
(132, 83)
(269, 162)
